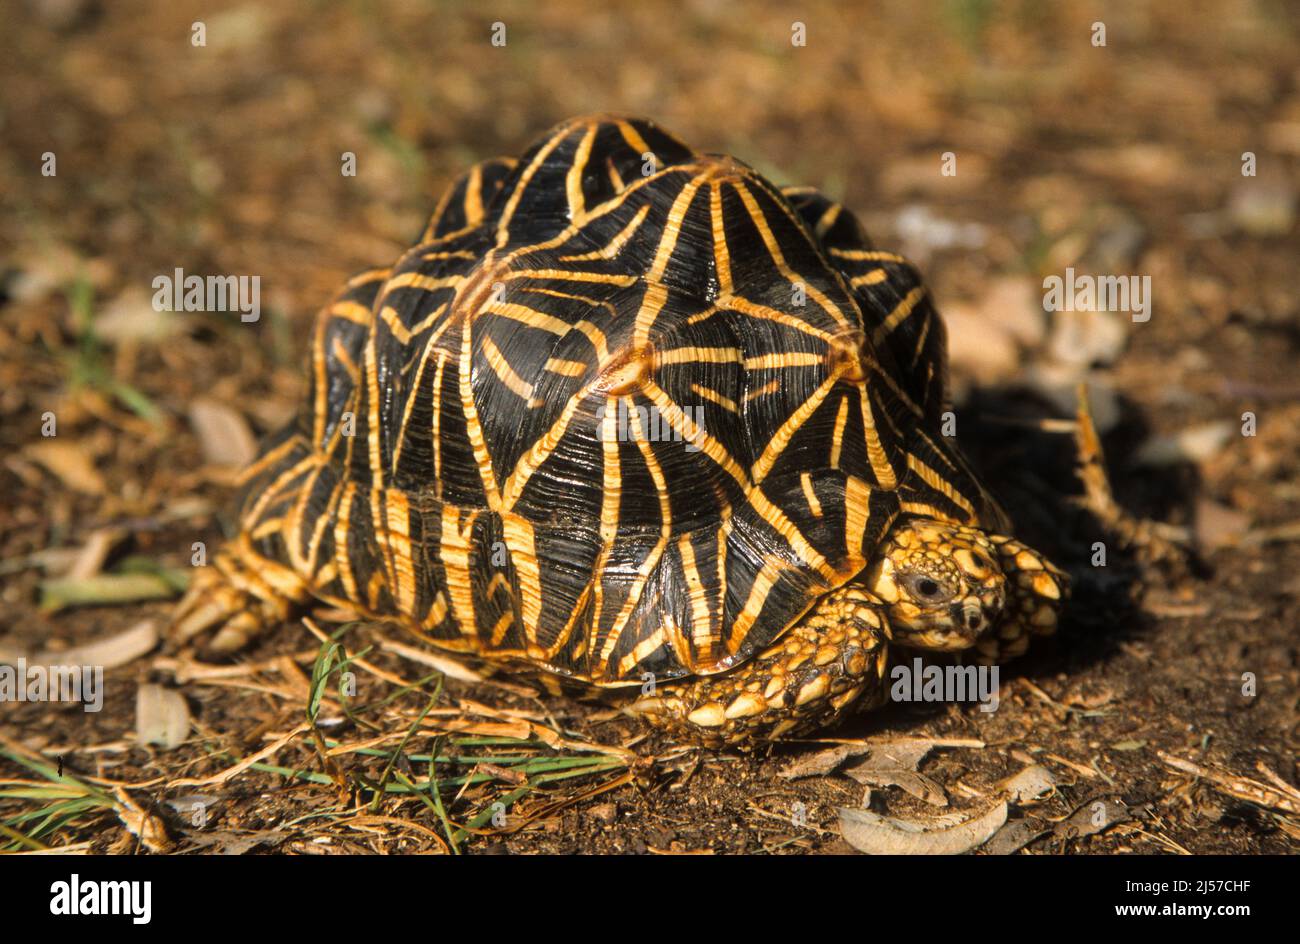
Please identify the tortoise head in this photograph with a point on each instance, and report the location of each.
(947, 586)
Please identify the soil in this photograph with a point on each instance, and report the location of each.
(1125, 158)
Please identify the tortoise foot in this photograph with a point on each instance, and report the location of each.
(232, 602)
(1036, 590)
(809, 679)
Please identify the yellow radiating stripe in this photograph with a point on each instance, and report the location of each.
(789, 530)
(713, 396)
(443, 357)
(453, 552)
(885, 475)
(437, 612)
(354, 312)
(379, 525)
(473, 204)
(857, 509)
(420, 326)
(318, 535)
(759, 220)
(780, 361)
(721, 254)
(521, 542)
(874, 277)
(320, 383)
(367, 277)
(703, 315)
(810, 495)
(473, 428)
(672, 413)
(652, 559)
(277, 487)
(672, 228)
(610, 503)
(615, 245)
(502, 627)
(540, 451)
(644, 648)
(898, 315)
(345, 361)
(437, 254)
(529, 316)
(341, 530)
(292, 533)
(828, 219)
(413, 394)
(391, 318)
(398, 540)
(702, 628)
(267, 528)
(566, 368)
(573, 179)
(755, 310)
(770, 387)
(939, 484)
(262, 463)
(699, 355)
(781, 438)
(920, 339)
(762, 586)
(372, 415)
(443, 202)
(506, 374)
(507, 215)
(867, 255)
(418, 280)
(837, 438)
(652, 302)
(633, 138)
(573, 275)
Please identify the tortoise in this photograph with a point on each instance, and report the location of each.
(632, 418)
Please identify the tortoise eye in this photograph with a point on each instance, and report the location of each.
(926, 589)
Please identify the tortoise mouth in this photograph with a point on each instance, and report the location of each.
(950, 629)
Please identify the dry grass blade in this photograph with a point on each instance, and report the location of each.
(1278, 796)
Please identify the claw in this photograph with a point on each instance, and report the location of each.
(228, 602)
(195, 618)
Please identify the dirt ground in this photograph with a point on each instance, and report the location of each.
(1166, 711)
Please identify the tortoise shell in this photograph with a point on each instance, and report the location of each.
(624, 408)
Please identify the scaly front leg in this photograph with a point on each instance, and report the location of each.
(835, 656)
(1036, 590)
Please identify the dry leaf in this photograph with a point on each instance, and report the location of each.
(951, 834)
(1030, 785)
(115, 650)
(69, 462)
(223, 433)
(162, 717)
